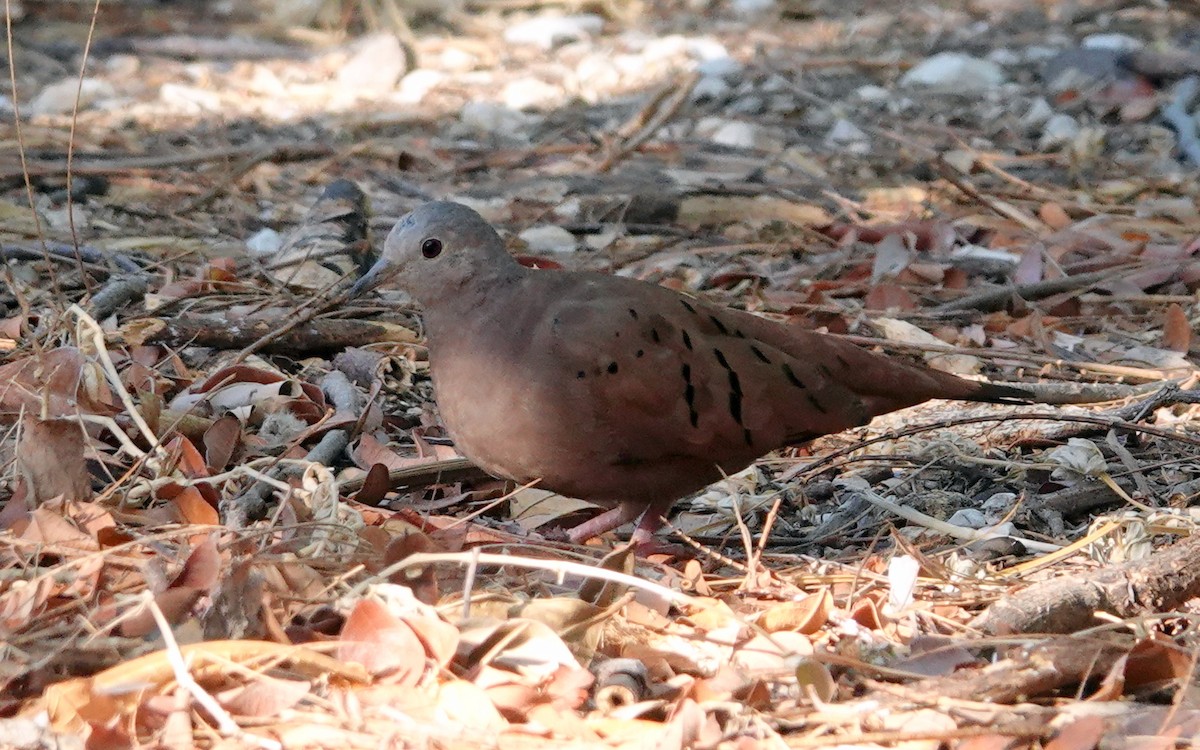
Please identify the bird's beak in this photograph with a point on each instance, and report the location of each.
(378, 274)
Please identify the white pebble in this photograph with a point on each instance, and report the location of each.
(548, 32)
(375, 66)
(492, 117)
(547, 238)
(530, 92)
(955, 72)
(710, 89)
(264, 242)
(1060, 130)
(846, 135)
(1119, 42)
(59, 97)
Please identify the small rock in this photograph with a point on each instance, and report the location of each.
(417, 84)
(59, 219)
(491, 117)
(738, 134)
(58, 98)
(548, 32)
(968, 518)
(955, 72)
(1118, 42)
(595, 73)
(706, 49)
(872, 93)
(1060, 130)
(189, 99)
(847, 136)
(752, 7)
(122, 65)
(548, 238)
(720, 67)
(999, 503)
(457, 60)
(748, 105)
(375, 66)
(710, 89)
(1038, 114)
(264, 242)
(603, 239)
(1076, 69)
(774, 84)
(1004, 56)
(783, 103)
(530, 92)
(1039, 53)
(961, 159)
(668, 47)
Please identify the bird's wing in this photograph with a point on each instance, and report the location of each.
(665, 375)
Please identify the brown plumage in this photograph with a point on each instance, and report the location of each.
(618, 391)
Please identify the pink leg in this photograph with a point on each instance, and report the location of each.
(643, 535)
(606, 521)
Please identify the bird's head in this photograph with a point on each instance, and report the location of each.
(436, 250)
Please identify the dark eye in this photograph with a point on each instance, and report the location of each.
(431, 248)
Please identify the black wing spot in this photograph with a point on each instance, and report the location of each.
(686, 304)
(612, 368)
(749, 439)
(687, 341)
(689, 394)
(633, 313)
(821, 368)
(759, 353)
(721, 358)
(654, 335)
(735, 397)
(816, 404)
(735, 406)
(738, 333)
(842, 361)
(581, 374)
(720, 326)
(791, 376)
(640, 353)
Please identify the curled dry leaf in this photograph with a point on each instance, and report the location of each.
(1084, 733)
(464, 704)
(220, 441)
(520, 644)
(50, 458)
(421, 580)
(388, 646)
(1177, 330)
(765, 654)
(198, 577)
(63, 381)
(814, 680)
(806, 616)
(264, 696)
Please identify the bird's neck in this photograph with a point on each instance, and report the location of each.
(475, 299)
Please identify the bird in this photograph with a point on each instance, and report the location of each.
(619, 391)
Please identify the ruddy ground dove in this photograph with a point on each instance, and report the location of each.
(619, 391)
